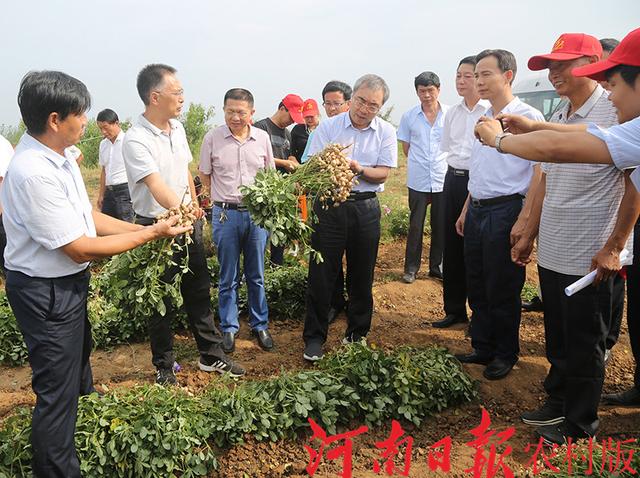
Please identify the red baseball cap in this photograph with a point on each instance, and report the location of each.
(310, 108)
(294, 104)
(568, 47)
(626, 53)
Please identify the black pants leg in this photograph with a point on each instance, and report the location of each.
(494, 282)
(418, 202)
(575, 331)
(338, 300)
(109, 204)
(52, 315)
(195, 292)
(633, 303)
(329, 239)
(277, 255)
(617, 311)
(363, 238)
(454, 286)
(436, 220)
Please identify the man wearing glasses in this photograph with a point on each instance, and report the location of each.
(157, 156)
(230, 157)
(353, 226)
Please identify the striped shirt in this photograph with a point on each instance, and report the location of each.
(581, 200)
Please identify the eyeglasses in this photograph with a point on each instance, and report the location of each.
(369, 107)
(232, 113)
(333, 105)
(174, 93)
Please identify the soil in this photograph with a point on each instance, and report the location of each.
(403, 315)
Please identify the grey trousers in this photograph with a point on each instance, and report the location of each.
(418, 202)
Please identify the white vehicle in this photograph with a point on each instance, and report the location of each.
(536, 90)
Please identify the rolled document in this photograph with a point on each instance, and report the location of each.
(625, 260)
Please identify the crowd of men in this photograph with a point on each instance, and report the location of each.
(495, 174)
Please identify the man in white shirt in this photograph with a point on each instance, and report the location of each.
(419, 134)
(157, 156)
(6, 153)
(353, 226)
(51, 236)
(493, 213)
(457, 141)
(113, 196)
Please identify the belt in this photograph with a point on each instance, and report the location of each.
(230, 205)
(458, 172)
(117, 187)
(356, 196)
(496, 200)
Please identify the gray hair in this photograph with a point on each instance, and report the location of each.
(373, 82)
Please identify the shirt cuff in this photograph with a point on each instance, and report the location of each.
(613, 147)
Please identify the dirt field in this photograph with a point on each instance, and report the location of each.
(403, 314)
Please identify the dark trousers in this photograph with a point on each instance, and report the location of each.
(117, 202)
(195, 290)
(354, 228)
(418, 202)
(454, 284)
(575, 332)
(3, 244)
(276, 255)
(633, 303)
(338, 300)
(494, 282)
(52, 315)
(617, 311)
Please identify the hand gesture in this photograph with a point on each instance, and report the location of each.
(486, 131)
(168, 228)
(516, 124)
(607, 264)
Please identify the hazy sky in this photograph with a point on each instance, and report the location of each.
(275, 47)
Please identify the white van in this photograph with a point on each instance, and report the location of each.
(536, 90)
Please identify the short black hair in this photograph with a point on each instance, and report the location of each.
(339, 87)
(468, 60)
(506, 60)
(151, 77)
(628, 73)
(609, 44)
(107, 116)
(426, 78)
(239, 94)
(44, 92)
(281, 105)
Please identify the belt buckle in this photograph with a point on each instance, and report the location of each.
(459, 172)
(476, 202)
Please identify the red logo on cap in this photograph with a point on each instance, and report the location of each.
(559, 44)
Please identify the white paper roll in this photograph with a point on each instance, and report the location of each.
(625, 260)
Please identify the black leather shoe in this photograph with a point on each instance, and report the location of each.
(409, 277)
(474, 357)
(436, 274)
(628, 398)
(228, 342)
(264, 339)
(448, 321)
(533, 305)
(497, 369)
(558, 434)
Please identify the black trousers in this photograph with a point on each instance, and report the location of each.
(633, 303)
(418, 202)
(454, 284)
(3, 244)
(354, 228)
(195, 289)
(575, 331)
(52, 315)
(117, 202)
(617, 311)
(494, 282)
(277, 255)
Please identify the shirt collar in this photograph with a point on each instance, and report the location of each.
(509, 107)
(120, 137)
(31, 142)
(226, 132)
(142, 121)
(479, 104)
(586, 108)
(375, 123)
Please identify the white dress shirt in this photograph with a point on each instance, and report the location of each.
(147, 149)
(376, 145)
(6, 153)
(426, 163)
(623, 142)
(457, 132)
(110, 157)
(46, 206)
(493, 174)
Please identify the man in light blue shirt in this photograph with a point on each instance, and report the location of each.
(353, 226)
(419, 133)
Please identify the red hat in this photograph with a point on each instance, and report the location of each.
(310, 108)
(294, 104)
(626, 53)
(568, 47)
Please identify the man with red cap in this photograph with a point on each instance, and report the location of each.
(300, 132)
(582, 143)
(571, 213)
(289, 112)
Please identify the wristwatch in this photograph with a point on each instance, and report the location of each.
(499, 138)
